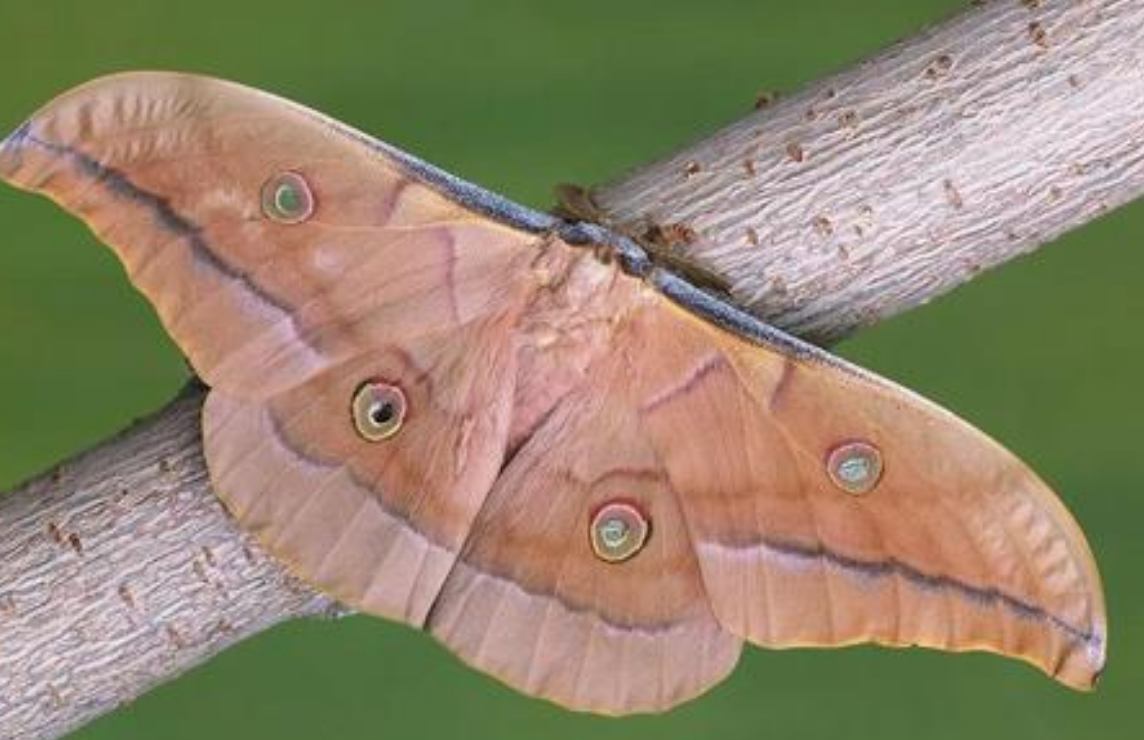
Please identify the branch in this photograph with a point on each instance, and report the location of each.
(121, 570)
(887, 185)
(859, 198)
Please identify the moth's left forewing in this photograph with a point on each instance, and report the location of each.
(957, 545)
(174, 172)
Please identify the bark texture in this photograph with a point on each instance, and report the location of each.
(120, 570)
(893, 182)
(867, 194)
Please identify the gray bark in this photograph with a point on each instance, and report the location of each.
(861, 197)
(893, 182)
(119, 570)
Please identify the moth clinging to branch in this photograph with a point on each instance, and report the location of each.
(581, 472)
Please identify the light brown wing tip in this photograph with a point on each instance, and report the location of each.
(1081, 670)
(16, 143)
(1079, 667)
(11, 149)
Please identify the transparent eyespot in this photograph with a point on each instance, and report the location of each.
(287, 199)
(618, 531)
(378, 410)
(855, 467)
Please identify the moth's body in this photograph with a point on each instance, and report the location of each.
(571, 318)
(579, 471)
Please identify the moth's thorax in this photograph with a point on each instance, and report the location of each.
(580, 300)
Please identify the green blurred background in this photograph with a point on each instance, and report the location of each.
(1047, 354)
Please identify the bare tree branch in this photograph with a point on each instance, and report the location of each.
(120, 570)
(859, 198)
(893, 182)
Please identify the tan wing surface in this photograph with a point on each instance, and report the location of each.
(170, 170)
(530, 602)
(959, 545)
(383, 278)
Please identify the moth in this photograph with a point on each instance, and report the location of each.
(579, 471)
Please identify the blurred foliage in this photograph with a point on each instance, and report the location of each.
(518, 94)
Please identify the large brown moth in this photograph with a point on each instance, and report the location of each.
(580, 472)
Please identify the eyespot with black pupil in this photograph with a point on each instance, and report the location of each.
(379, 410)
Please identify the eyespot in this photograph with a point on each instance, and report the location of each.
(855, 467)
(287, 199)
(618, 531)
(378, 410)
